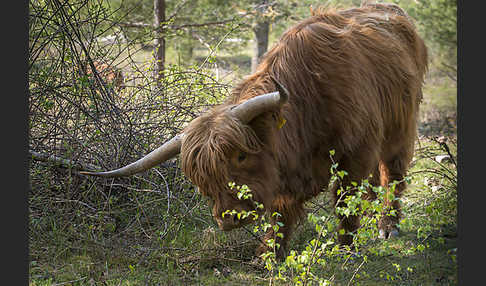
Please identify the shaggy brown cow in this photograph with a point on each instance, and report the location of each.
(350, 80)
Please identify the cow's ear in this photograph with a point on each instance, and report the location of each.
(284, 93)
(266, 126)
(281, 121)
(278, 119)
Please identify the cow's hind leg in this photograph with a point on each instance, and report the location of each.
(392, 171)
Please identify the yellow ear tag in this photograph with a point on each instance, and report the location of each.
(282, 122)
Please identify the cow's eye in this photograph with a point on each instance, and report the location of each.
(241, 157)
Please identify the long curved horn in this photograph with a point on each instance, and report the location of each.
(251, 108)
(168, 150)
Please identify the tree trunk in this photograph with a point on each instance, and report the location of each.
(159, 41)
(260, 29)
(261, 43)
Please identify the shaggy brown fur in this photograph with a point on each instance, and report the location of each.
(354, 79)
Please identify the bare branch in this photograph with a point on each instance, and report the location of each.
(61, 162)
(175, 27)
(179, 27)
(135, 25)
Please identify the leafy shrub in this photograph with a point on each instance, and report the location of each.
(305, 267)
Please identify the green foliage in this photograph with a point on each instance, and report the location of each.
(438, 181)
(243, 193)
(437, 23)
(438, 19)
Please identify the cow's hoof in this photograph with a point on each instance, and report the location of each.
(386, 234)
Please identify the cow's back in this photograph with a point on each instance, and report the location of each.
(354, 75)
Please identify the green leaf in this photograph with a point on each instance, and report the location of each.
(276, 214)
(341, 174)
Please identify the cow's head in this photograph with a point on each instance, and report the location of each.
(225, 144)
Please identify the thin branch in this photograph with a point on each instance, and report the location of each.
(65, 163)
(174, 27)
(135, 25)
(178, 27)
(356, 271)
(69, 282)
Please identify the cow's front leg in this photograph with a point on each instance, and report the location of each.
(284, 212)
(277, 236)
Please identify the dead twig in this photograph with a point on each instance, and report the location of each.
(61, 162)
